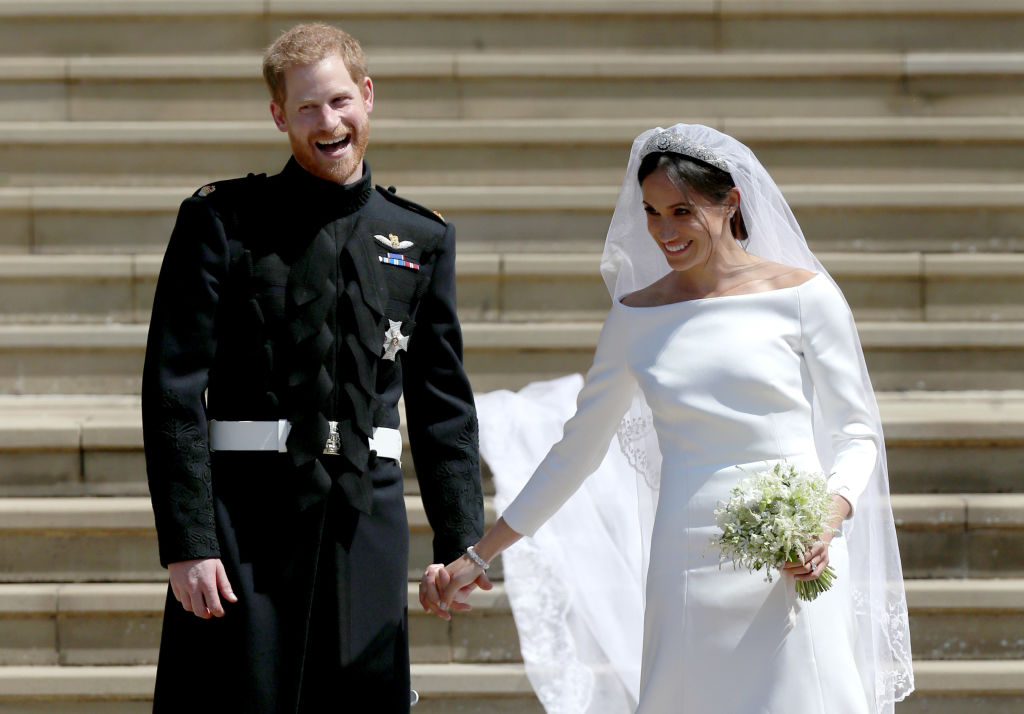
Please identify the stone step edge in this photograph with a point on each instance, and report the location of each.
(531, 199)
(97, 599)
(89, 599)
(30, 423)
(74, 9)
(538, 65)
(529, 265)
(969, 677)
(129, 514)
(555, 335)
(113, 682)
(946, 512)
(86, 405)
(546, 133)
(933, 677)
(988, 420)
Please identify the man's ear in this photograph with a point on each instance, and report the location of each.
(277, 111)
(367, 91)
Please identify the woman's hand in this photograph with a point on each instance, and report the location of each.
(463, 577)
(438, 582)
(813, 562)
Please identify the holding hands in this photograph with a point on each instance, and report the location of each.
(446, 588)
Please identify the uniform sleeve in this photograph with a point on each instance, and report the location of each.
(179, 353)
(831, 350)
(441, 415)
(606, 395)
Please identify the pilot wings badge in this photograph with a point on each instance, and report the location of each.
(392, 241)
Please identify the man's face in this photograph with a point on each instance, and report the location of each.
(326, 115)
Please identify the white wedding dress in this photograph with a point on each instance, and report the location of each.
(729, 382)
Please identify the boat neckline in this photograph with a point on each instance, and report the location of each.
(716, 297)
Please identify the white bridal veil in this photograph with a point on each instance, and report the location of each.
(578, 656)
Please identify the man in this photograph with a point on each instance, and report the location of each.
(290, 312)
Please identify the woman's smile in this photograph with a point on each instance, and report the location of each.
(677, 246)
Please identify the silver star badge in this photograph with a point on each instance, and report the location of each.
(394, 340)
(392, 241)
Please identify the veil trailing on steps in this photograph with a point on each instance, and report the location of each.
(577, 586)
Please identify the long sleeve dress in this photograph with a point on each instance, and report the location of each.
(729, 381)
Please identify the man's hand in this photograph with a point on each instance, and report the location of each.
(198, 584)
(436, 580)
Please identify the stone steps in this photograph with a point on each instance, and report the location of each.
(901, 92)
(957, 687)
(55, 27)
(943, 356)
(503, 152)
(529, 287)
(540, 83)
(965, 619)
(86, 624)
(936, 442)
(943, 687)
(120, 624)
(942, 218)
(465, 688)
(112, 539)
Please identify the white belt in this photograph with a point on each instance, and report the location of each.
(272, 436)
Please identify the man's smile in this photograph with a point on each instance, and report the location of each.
(334, 148)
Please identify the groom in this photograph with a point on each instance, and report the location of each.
(290, 314)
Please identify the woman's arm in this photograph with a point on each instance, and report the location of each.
(831, 349)
(606, 394)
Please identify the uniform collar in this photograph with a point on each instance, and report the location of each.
(334, 198)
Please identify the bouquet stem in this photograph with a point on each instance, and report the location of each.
(808, 590)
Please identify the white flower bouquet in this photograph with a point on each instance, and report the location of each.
(772, 518)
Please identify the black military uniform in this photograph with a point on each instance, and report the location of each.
(275, 300)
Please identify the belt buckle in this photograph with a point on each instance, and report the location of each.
(333, 445)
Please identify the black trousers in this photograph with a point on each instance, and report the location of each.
(321, 624)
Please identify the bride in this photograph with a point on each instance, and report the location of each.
(728, 348)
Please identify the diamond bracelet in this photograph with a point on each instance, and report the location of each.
(471, 552)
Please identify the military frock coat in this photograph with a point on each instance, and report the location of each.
(291, 297)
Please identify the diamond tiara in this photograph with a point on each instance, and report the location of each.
(666, 141)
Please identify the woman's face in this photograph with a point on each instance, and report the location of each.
(686, 233)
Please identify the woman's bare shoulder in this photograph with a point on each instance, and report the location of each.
(650, 296)
(777, 275)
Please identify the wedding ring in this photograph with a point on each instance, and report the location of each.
(810, 567)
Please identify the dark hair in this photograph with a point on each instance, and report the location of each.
(694, 176)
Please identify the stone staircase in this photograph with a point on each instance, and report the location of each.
(896, 129)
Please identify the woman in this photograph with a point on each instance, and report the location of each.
(731, 349)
